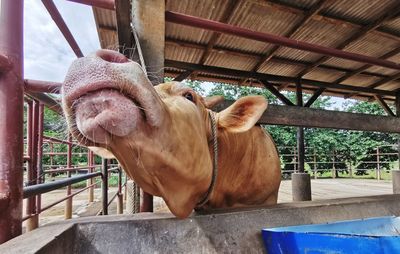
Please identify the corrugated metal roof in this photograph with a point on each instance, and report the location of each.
(335, 23)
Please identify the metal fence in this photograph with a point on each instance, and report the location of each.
(374, 164)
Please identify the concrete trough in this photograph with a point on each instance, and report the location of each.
(236, 231)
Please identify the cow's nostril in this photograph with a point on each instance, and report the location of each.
(112, 56)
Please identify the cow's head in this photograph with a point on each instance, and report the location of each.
(160, 135)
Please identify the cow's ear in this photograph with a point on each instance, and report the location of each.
(211, 101)
(243, 114)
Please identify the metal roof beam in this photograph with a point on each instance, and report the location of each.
(56, 16)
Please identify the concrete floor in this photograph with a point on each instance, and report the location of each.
(338, 188)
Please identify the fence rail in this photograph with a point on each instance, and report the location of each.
(382, 158)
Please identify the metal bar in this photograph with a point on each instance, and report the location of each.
(104, 186)
(318, 118)
(38, 86)
(278, 95)
(46, 100)
(11, 124)
(31, 202)
(56, 16)
(67, 197)
(50, 186)
(68, 203)
(146, 202)
(383, 104)
(57, 140)
(40, 175)
(105, 4)
(270, 38)
(120, 204)
(67, 169)
(269, 77)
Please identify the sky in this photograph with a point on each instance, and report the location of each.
(47, 53)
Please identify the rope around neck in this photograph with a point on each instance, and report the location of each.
(215, 160)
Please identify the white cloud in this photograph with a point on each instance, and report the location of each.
(47, 53)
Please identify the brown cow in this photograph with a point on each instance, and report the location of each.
(162, 136)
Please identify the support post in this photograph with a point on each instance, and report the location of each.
(68, 202)
(148, 19)
(11, 115)
(40, 171)
(333, 164)
(90, 181)
(378, 164)
(104, 186)
(120, 201)
(315, 165)
(31, 206)
(396, 173)
(301, 182)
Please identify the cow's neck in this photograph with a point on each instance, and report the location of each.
(237, 156)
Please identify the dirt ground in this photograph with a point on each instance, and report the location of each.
(321, 189)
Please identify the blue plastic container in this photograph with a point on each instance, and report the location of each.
(375, 235)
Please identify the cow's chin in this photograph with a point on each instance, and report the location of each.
(100, 115)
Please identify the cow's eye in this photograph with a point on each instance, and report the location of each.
(189, 96)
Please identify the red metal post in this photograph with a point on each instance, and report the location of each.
(68, 203)
(40, 171)
(56, 16)
(146, 202)
(31, 203)
(11, 115)
(270, 38)
(105, 4)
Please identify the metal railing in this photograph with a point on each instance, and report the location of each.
(381, 158)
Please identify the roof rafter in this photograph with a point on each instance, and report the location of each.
(392, 12)
(328, 18)
(308, 15)
(269, 77)
(274, 59)
(226, 16)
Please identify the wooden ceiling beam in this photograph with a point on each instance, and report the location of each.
(314, 97)
(384, 105)
(269, 77)
(277, 94)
